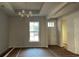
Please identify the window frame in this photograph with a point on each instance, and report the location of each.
(30, 31)
(51, 24)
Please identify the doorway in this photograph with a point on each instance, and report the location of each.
(64, 34)
(52, 32)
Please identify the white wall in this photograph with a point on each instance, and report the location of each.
(19, 32)
(70, 35)
(52, 34)
(4, 38)
(59, 30)
(43, 32)
(76, 34)
(72, 21)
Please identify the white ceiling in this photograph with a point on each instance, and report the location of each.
(27, 5)
(43, 7)
(50, 9)
(68, 9)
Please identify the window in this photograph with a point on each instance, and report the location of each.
(50, 24)
(34, 32)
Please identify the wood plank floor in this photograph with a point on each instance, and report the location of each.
(61, 52)
(52, 51)
(30, 52)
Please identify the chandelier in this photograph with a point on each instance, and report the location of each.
(24, 14)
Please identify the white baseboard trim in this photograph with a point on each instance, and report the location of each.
(25, 46)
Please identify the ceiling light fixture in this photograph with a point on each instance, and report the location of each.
(23, 14)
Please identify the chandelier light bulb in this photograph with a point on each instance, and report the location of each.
(23, 11)
(30, 13)
(27, 15)
(19, 13)
(22, 15)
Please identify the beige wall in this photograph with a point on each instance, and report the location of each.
(4, 38)
(43, 32)
(19, 32)
(76, 34)
(59, 30)
(72, 31)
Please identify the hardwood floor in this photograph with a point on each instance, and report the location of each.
(52, 51)
(61, 52)
(30, 52)
(14, 53)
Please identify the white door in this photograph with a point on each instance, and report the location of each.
(52, 35)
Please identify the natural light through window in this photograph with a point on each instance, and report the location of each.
(50, 24)
(34, 31)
